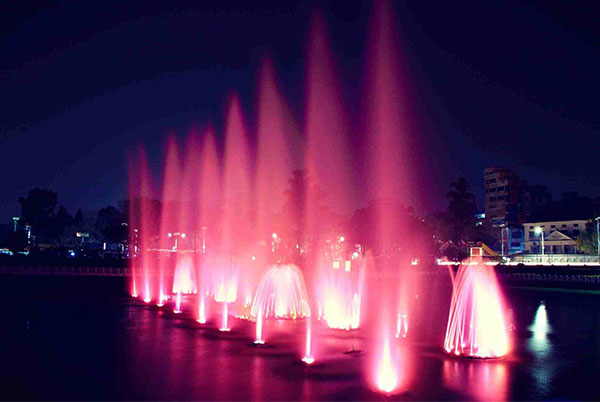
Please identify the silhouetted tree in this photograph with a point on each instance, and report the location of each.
(38, 207)
(109, 224)
(587, 242)
(58, 223)
(460, 216)
(78, 217)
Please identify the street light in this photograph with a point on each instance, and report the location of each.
(539, 230)
(176, 235)
(503, 227)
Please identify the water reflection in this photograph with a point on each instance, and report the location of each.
(483, 380)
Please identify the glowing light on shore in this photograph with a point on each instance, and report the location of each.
(476, 324)
(387, 377)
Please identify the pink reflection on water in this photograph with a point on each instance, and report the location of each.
(483, 380)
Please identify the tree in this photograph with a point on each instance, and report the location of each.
(587, 242)
(109, 224)
(460, 216)
(78, 218)
(58, 223)
(38, 207)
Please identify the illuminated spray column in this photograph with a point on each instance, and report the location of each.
(476, 324)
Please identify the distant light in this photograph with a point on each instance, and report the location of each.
(355, 255)
(348, 266)
(183, 235)
(538, 230)
(274, 235)
(253, 258)
(170, 234)
(342, 238)
(336, 264)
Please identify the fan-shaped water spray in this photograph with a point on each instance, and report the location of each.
(476, 324)
(281, 294)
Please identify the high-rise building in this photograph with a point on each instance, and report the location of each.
(508, 199)
(509, 202)
(502, 195)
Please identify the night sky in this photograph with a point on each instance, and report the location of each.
(496, 83)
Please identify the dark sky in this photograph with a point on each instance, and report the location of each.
(497, 83)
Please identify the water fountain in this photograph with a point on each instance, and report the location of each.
(281, 294)
(476, 324)
(229, 234)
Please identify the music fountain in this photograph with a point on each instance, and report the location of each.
(241, 234)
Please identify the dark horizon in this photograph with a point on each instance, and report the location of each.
(507, 84)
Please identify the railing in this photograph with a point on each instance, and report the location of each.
(556, 259)
(550, 277)
(63, 270)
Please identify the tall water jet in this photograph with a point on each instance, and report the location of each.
(169, 234)
(476, 323)
(386, 377)
(328, 186)
(281, 293)
(405, 298)
(387, 132)
(259, 329)
(225, 317)
(186, 261)
(177, 309)
(209, 196)
(308, 352)
(141, 229)
(134, 222)
(225, 274)
(273, 163)
(236, 219)
(201, 308)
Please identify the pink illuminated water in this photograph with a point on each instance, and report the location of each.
(281, 293)
(255, 219)
(387, 376)
(476, 324)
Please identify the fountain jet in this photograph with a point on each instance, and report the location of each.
(476, 323)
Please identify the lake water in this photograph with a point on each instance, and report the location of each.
(93, 344)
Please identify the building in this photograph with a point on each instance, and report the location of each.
(560, 237)
(500, 194)
(510, 201)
